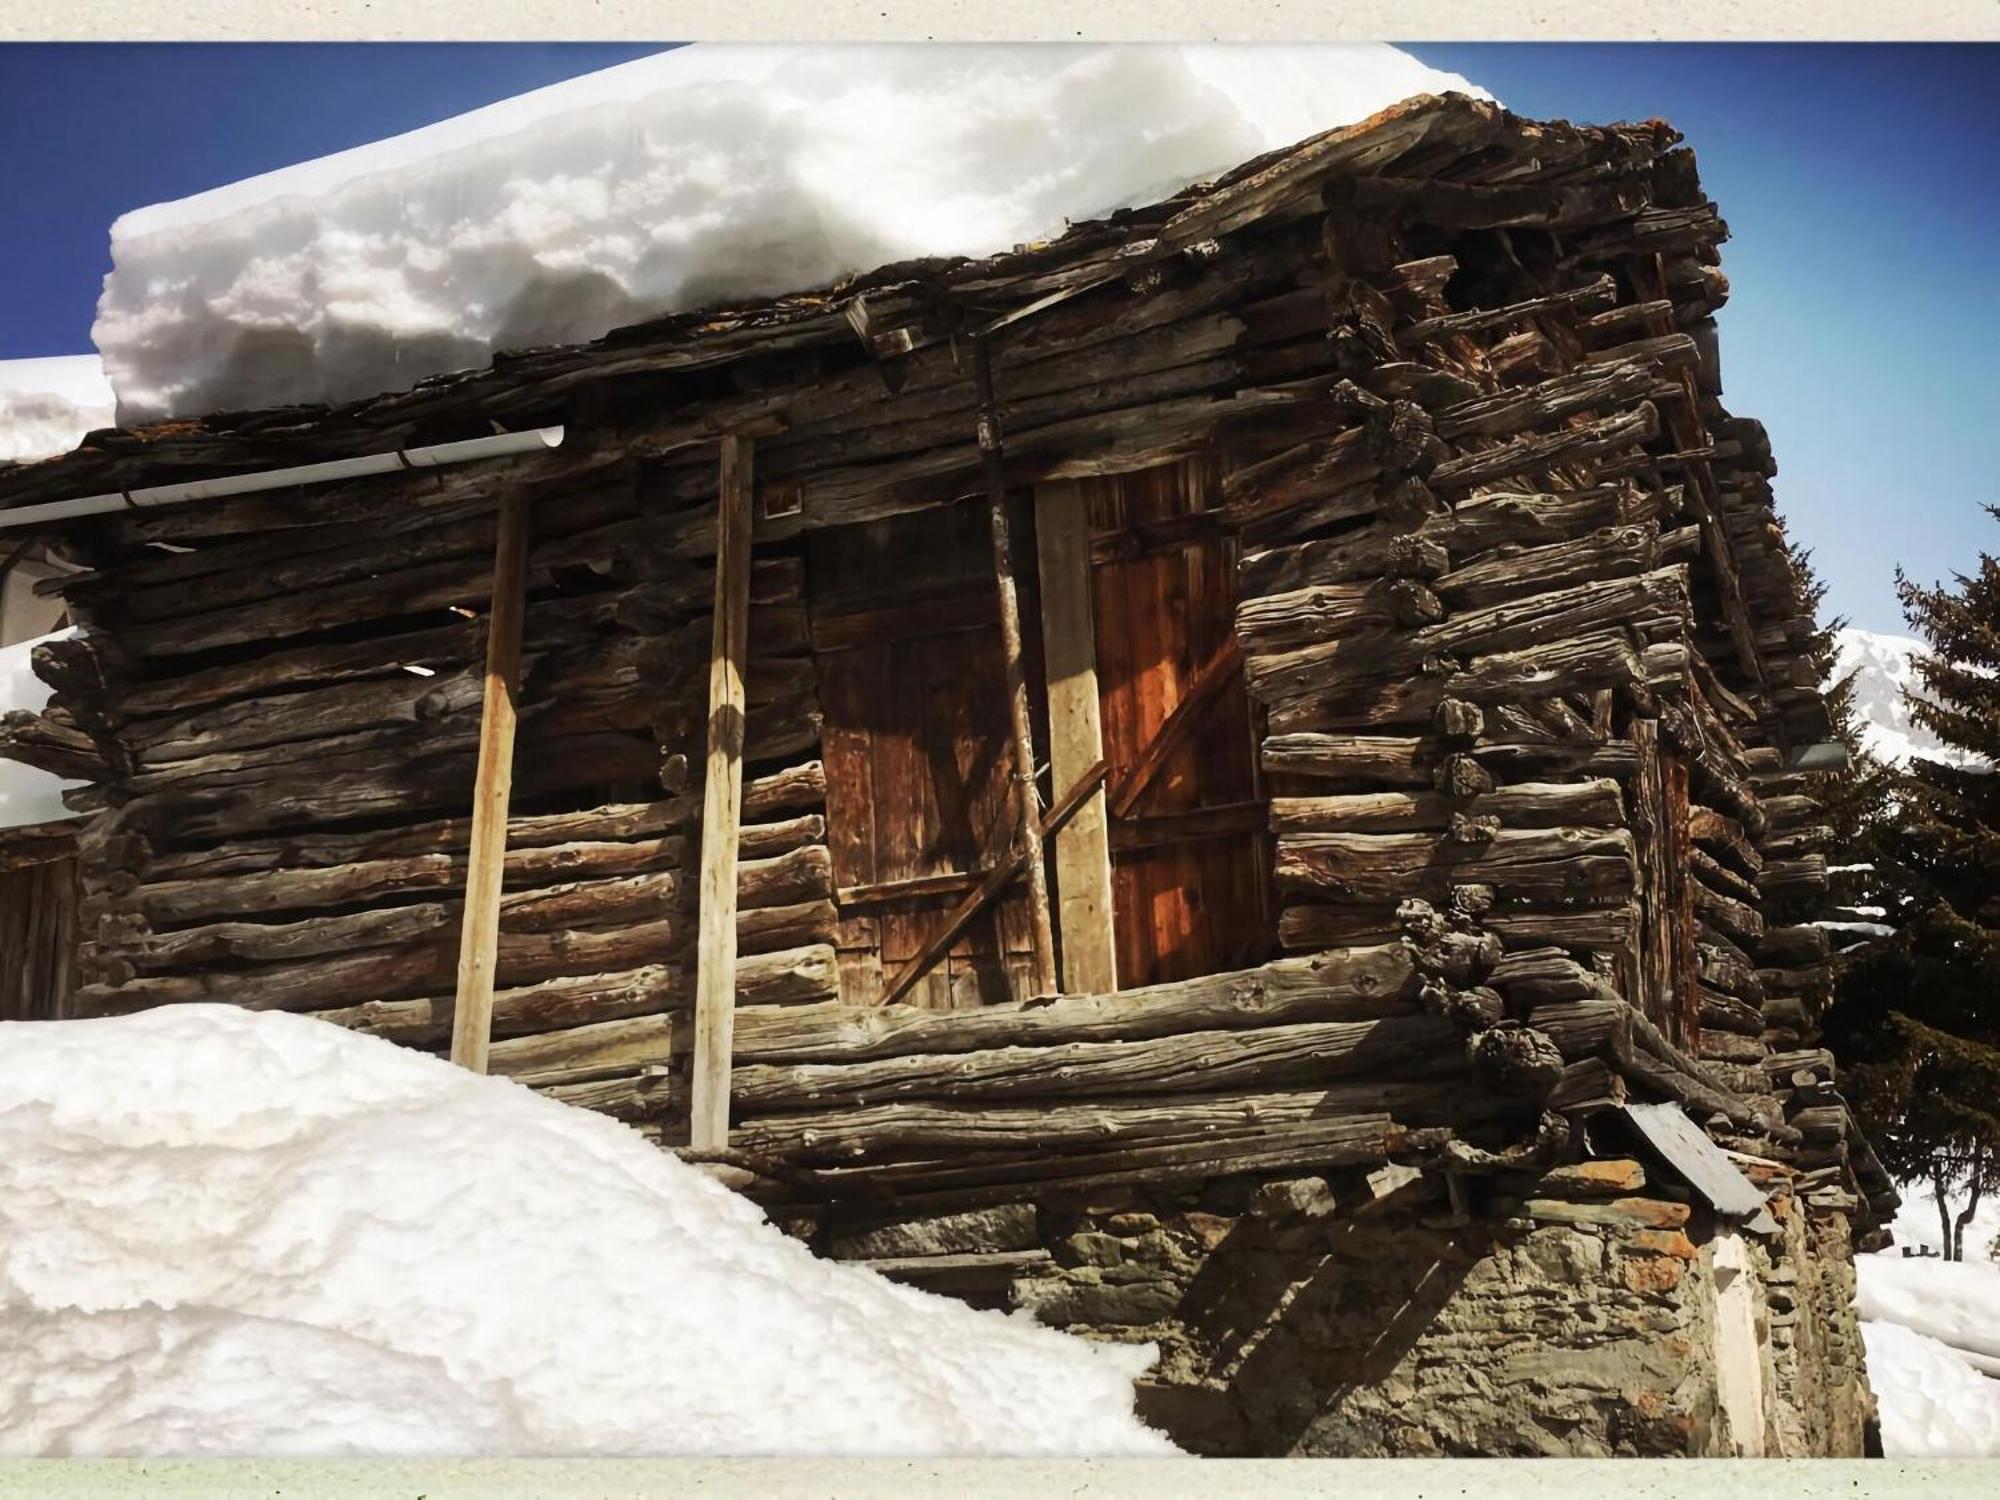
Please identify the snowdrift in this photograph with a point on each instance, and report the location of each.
(47, 405)
(1932, 1330)
(707, 173)
(230, 1233)
(1934, 1405)
(27, 795)
(1955, 1302)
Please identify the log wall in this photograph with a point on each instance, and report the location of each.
(1517, 618)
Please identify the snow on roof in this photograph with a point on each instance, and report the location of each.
(27, 795)
(694, 176)
(47, 405)
(224, 1232)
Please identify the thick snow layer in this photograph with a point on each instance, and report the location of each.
(1932, 1329)
(1934, 1405)
(47, 405)
(1955, 1302)
(27, 795)
(231, 1233)
(1885, 668)
(706, 173)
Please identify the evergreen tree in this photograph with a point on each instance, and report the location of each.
(1917, 1018)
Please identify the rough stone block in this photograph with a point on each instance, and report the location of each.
(1592, 1179)
(1651, 1273)
(1008, 1227)
(1662, 1242)
(1632, 1213)
(1065, 1301)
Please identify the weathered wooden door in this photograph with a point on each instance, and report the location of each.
(915, 742)
(38, 903)
(1189, 847)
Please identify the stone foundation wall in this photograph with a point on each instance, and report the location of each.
(1824, 1405)
(1372, 1316)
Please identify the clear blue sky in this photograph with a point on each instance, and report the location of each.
(1861, 183)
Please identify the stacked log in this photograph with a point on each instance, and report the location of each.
(1523, 631)
(295, 730)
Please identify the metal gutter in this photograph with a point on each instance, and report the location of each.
(436, 456)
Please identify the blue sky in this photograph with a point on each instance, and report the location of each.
(1861, 183)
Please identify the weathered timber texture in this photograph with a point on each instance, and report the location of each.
(1395, 569)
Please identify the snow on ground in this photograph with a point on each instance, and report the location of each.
(1955, 1302)
(224, 1232)
(47, 405)
(1886, 668)
(1932, 1329)
(1933, 1404)
(26, 794)
(676, 181)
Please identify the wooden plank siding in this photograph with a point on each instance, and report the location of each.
(1163, 589)
(38, 932)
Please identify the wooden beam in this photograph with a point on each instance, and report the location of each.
(1076, 738)
(1230, 820)
(1203, 690)
(914, 888)
(486, 858)
(722, 804)
(995, 880)
(1028, 811)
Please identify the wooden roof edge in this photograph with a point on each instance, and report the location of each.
(1422, 126)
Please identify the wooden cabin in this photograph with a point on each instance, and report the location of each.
(1273, 726)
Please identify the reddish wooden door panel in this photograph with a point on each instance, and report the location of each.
(1188, 900)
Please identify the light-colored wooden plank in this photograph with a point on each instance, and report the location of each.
(486, 856)
(1076, 739)
(722, 804)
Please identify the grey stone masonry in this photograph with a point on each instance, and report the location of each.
(1572, 1314)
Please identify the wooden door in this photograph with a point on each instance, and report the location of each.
(38, 934)
(916, 748)
(1189, 846)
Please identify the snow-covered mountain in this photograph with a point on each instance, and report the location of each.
(1885, 668)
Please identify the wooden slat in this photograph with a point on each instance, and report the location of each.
(1076, 739)
(1204, 690)
(722, 804)
(1191, 825)
(915, 888)
(486, 857)
(995, 881)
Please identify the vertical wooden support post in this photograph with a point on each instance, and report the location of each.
(486, 859)
(1076, 738)
(722, 805)
(1028, 802)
